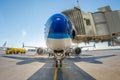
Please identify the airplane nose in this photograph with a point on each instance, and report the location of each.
(58, 25)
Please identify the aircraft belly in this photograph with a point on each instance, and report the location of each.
(59, 44)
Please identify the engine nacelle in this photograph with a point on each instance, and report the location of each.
(40, 51)
(77, 50)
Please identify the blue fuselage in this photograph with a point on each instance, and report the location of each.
(58, 29)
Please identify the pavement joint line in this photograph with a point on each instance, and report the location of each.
(56, 73)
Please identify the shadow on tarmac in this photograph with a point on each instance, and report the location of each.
(69, 71)
(88, 58)
(44, 73)
(72, 72)
(26, 60)
(91, 59)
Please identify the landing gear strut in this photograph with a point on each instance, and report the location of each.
(58, 63)
(59, 57)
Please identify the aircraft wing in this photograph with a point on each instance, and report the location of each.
(39, 50)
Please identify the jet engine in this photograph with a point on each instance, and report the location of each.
(77, 50)
(40, 51)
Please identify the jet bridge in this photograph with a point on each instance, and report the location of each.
(103, 25)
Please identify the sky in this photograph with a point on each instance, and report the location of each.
(23, 20)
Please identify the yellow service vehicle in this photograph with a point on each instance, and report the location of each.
(20, 50)
(15, 51)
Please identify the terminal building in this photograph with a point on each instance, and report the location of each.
(103, 25)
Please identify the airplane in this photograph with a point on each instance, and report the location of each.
(59, 34)
(3, 47)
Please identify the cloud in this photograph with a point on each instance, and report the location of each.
(24, 33)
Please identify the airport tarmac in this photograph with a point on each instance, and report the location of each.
(90, 65)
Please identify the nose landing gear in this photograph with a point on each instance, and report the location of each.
(59, 57)
(58, 63)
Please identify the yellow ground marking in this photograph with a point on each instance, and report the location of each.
(56, 73)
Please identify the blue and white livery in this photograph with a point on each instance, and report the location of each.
(58, 32)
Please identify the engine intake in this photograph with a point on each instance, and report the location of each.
(40, 51)
(77, 50)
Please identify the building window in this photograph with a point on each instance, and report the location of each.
(88, 23)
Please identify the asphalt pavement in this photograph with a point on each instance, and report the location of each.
(90, 65)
